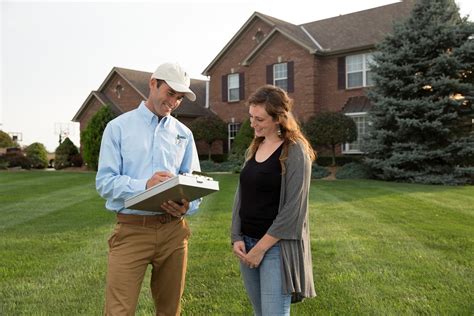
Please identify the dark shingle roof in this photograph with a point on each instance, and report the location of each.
(139, 80)
(358, 29)
(349, 32)
(357, 104)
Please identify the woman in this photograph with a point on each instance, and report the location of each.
(270, 227)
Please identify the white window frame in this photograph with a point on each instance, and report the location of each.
(280, 74)
(233, 85)
(362, 130)
(359, 66)
(232, 130)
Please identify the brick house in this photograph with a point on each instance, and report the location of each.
(324, 65)
(124, 89)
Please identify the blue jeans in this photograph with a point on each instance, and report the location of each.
(264, 284)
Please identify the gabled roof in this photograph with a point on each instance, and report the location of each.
(138, 80)
(354, 31)
(102, 98)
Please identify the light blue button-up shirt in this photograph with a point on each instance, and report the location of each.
(134, 146)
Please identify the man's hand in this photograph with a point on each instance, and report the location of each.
(175, 209)
(158, 177)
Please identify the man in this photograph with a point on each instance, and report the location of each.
(140, 149)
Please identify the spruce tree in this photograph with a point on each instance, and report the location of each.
(421, 120)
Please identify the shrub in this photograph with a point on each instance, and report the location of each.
(227, 166)
(91, 136)
(64, 154)
(17, 159)
(76, 160)
(326, 161)
(37, 155)
(319, 172)
(242, 142)
(354, 170)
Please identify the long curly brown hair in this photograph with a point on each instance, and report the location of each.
(278, 105)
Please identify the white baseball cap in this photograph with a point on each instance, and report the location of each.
(176, 78)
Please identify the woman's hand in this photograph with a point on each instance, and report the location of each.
(239, 250)
(254, 257)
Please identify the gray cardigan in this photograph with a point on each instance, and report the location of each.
(291, 225)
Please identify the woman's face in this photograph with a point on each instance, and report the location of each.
(262, 123)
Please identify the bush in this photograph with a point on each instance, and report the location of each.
(91, 136)
(227, 166)
(319, 172)
(242, 141)
(326, 161)
(17, 159)
(214, 157)
(64, 154)
(38, 155)
(76, 160)
(354, 170)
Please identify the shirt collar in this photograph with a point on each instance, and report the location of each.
(148, 115)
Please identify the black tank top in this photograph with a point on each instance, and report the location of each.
(260, 184)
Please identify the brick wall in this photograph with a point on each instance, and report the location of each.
(122, 94)
(315, 85)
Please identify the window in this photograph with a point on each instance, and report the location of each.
(358, 71)
(280, 75)
(233, 87)
(232, 130)
(362, 124)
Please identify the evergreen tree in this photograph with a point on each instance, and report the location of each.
(64, 154)
(91, 136)
(423, 98)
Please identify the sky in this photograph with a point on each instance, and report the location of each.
(53, 54)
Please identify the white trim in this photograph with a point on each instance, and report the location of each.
(207, 95)
(312, 38)
(356, 113)
(363, 115)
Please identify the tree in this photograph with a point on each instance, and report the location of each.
(209, 129)
(330, 129)
(64, 154)
(91, 137)
(242, 141)
(5, 140)
(38, 155)
(422, 98)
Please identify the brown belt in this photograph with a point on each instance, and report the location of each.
(146, 220)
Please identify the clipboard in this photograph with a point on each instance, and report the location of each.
(187, 186)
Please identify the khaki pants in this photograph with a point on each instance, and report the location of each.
(134, 245)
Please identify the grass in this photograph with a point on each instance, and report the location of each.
(378, 249)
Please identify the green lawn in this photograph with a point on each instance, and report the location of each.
(378, 249)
